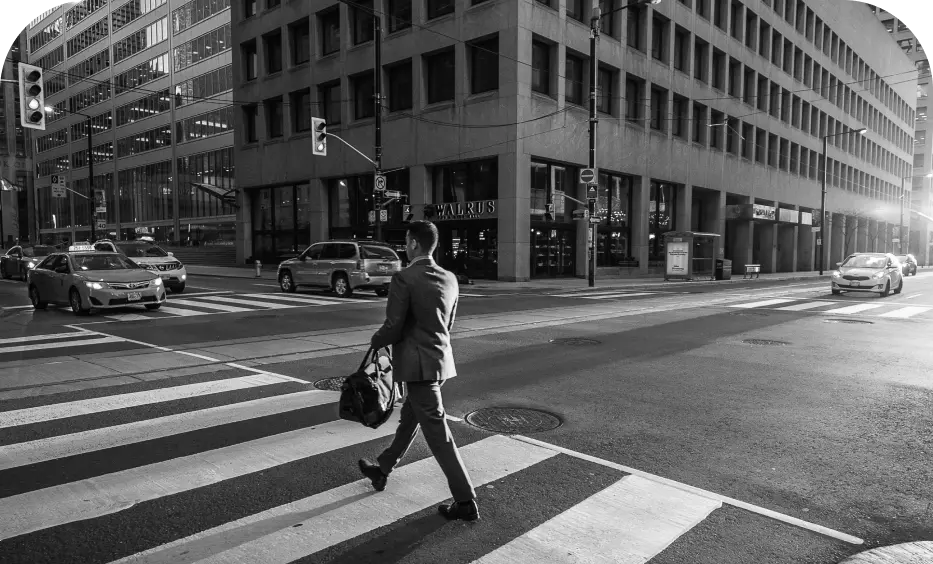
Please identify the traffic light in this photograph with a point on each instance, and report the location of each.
(31, 97)
(319, 126)
(591, 204)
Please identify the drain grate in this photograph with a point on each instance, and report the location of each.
(512, 420)
(575, 342)
(765, 342)
(854, 321)
(330, 384)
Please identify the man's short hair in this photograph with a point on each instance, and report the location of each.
(425, 233)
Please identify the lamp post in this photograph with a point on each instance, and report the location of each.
(90, 169)
(900, 230)
(861, 131)
(597, 14)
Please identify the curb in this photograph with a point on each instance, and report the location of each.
(647, 285)
(906, 553)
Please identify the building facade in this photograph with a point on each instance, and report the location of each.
(711, 119)
(152, 80)
(16, 221)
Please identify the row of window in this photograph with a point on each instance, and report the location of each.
(204, 86)
(52, 140)
(102, 153)
(141, 74)
(55, 84)
(99, 124)
(81, 41)
(152, 34)
(58, 112)
(54, 165)
(145, 141)
(45, 35)
(205, 125)
(96, 94)
(132, 10)
(51, 59)
(211, 43)
(89, 67)
(41, 17)
(195, 12)
(144, 107)
(84, 9)
(145, 193)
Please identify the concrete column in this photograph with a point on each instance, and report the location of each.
(787, 246)
(837, 249)
(862, 241)
(320, 201)
(874, 244)
(715, 210)
(514, 210)
(244, 226)
(420, 192)
(767, 251)
(684, 208)
(805, 247)
(883, 237)
(642, 195)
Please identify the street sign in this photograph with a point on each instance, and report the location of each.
(581, 214)
(591, 193)
(816, 229)
(101, 224)
(588, 175)
(380, 183)
(383, 216)
(819, 241)
(393, 194)
(895, 240)
(58, 186)
(596, 219)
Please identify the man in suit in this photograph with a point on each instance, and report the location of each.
(419, 315)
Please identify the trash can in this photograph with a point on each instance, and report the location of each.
(723, 269)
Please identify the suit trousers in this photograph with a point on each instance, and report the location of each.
(424, 408)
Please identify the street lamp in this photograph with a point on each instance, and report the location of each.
(597, 14)
(90, 168)
(860, 131)
(900, 230)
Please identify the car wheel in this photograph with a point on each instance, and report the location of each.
(900, 286)
(153, 307)
(3, 272)
(179, 289)
(74, 298)
(836, 292)
(286, 282)
(341, 286)
(887, 289)
(382, 292)
(34, 298)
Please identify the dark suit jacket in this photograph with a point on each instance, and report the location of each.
(419, 315)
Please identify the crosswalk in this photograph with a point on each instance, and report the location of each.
(604, 294)
(140, 475)
(54, 344)
(875, 308)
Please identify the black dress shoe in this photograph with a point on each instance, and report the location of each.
(465, 510)
(374, 473)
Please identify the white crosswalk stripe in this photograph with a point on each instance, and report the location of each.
(883, 309)
(603, 294)
(629, 519)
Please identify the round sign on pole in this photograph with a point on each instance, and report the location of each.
(380, 183)
(587, 176)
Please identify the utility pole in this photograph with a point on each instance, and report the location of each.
(377, 100)
(594, 71)
(92, 202)
(822, 234)
(900, 231)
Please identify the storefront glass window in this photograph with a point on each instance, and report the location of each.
(661, 217)
(614, 204)
(562, 180)
(54, 213)
(281, 221)
(466, 182)
(350, 201)
(145, 193)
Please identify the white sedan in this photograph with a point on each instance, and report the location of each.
(869, 272)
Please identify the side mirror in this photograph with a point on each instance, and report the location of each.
(302, 257)
(170, 253)
(838, 264)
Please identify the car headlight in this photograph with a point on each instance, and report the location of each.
(157, 282)
(836, 274)
(96, 285)
(31, 265)
(879, 274)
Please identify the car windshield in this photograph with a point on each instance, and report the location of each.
(102, 262)
(902, 258)
(377, 252)
(38, 251)
(141, 250)
(865, 261)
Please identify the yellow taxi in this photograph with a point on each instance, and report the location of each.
(87, 279)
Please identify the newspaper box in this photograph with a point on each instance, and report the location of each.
(689, 255)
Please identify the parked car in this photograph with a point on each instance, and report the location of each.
(342, 266)
(19, 260)
(87, 279)
(868, 272)
(909, 264)
(150, 256)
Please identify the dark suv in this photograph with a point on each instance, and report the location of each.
(342, 266)
(908, 264)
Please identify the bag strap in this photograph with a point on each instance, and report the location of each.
(370, 355)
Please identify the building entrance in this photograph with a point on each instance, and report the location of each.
(469, 247)
(553, 252)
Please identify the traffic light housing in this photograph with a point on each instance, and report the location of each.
(591, 205)
(31, 97)
(549, 212)
(319, 127)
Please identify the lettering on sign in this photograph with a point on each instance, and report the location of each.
(787, 216)
(677, 253)
(764, 212)
(482, 209)
(806, 218)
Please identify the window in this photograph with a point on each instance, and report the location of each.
(329, 102)
(300, 35)
(702, 7)
(400, 86)
(658, 108)
(204, 86)
(330, 30)
(719, 70)
(142, 108)
(275, 117)
(466, 182)
(573, 84)
(250, 7)
(633, 20)
(735, 78)
(681, 49)
(45, 35)
(92, 96)
(604, 91)
(760, 145)
(634, 98)
(141, 74)
(701, 60)
(748, 132)
(720, 15)
(748, 87)
(732, 135)
(88, 67)
(211, 43)
(142, 193)
(735, 21)
(679, 116)
(208, 124)
(250, 59)
(143, 39)
(363, 24)
(186, 16)
(88, 37)
(139, 143)
(273, 4)
(484, 65)
(715, 133)
(272, 45)
(438, 8)
(773, 150)
(364, 88)
(441, 76)
(575, 10)
(659, 28)
(540, 67)
(301, 110)
(608, 18)
(399, 15)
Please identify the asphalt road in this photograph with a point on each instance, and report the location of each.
(765, 422)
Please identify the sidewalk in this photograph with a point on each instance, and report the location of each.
(554, 284)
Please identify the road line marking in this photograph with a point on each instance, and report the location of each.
(54, 411)
(340, 514)
(630, 522)
(149, 345)
(218, 307)
(111, 493)
(52, 448)
(196, 355)
(618, 295)
(711, 495)
(299, 299)
(252, 303)
(853, 309)
(266, 372)
(764, 303)
(60, 345)
(47, 337)
(912, 296)
(267, 285)
(805, 305)
(197, 294)
(127, 317)
(179, 312)
(17, 307)
(905, 312)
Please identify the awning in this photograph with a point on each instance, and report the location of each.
(7, 186)
(921, 215)
(228, 197)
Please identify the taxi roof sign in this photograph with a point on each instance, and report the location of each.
(73, 248)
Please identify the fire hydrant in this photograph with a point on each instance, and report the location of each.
(258, 268)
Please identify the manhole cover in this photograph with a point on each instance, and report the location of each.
(765, 342)
(332, 384)
(575, 342)
(510, 420)
(859, 321)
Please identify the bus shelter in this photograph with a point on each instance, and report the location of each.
(690, 255)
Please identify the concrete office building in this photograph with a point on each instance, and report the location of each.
(920, 240)
(485, 115)
(155, 78)
(16, 223)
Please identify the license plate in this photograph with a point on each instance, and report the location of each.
(383, 268)
(134, 296)
(856, 283)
